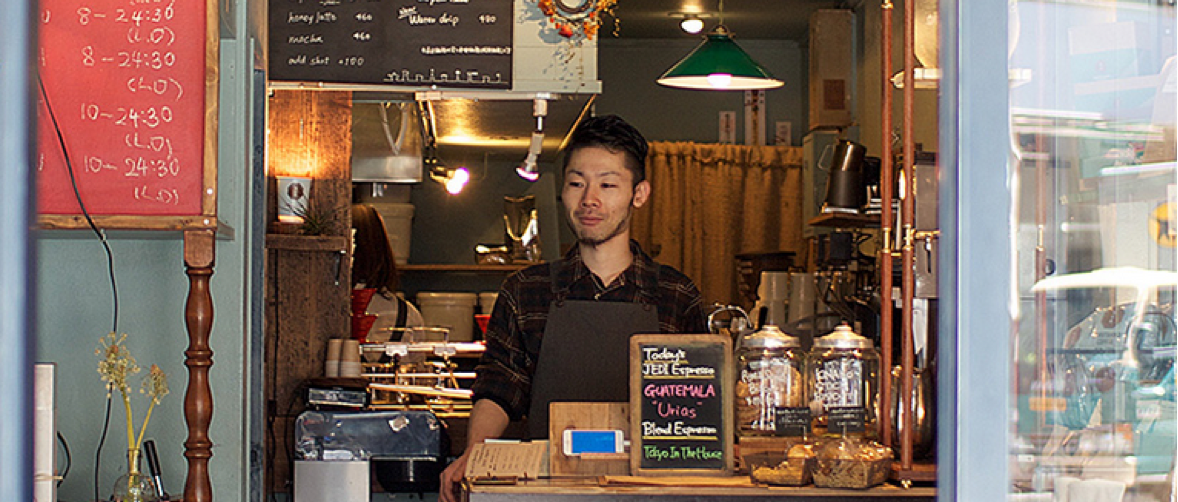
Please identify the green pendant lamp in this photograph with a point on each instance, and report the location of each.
(719, 64)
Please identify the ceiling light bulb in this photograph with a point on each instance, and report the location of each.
(527, 173)
(529, 170)
(720, 80)
(457, 181)
(691, 24)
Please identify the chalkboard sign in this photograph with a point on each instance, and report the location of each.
(131, 88)
(419, 43)
(681, 405)
(791, 421)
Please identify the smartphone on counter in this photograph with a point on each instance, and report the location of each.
(579, 442)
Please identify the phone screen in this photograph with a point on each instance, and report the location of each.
(582, 441)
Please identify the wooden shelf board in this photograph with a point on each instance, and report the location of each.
(844, 220)
(292, 242)
(921, 472)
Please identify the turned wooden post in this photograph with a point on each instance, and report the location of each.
(198, 397)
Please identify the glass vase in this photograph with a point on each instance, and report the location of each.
(134, 486)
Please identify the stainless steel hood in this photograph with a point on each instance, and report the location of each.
(386, 142)
(389, 134)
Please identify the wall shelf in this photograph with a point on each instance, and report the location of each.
(294, 242)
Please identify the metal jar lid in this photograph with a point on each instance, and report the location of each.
(843, 337)
(769, 337)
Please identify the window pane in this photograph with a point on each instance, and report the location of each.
(1092, 100)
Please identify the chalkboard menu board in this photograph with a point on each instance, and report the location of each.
(681, 405)
(419, 43)
(129, 98)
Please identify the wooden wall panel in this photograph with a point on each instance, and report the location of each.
(307, 285)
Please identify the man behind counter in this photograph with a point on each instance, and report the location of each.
(583, 307)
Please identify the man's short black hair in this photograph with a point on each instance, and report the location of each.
(613, 134)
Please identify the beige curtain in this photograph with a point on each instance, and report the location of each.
(711, 202)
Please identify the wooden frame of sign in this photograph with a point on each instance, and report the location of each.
(128, 124)
(681, 405)
(138, 142)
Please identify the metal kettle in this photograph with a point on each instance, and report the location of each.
(923, 406)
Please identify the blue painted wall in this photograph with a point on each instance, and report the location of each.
(75, 309)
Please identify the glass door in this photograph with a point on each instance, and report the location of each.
(1092, 184)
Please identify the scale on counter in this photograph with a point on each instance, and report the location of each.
(337, 393)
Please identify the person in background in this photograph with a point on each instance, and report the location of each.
(374, 266)
(560, 331)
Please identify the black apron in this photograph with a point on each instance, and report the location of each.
(585, 353)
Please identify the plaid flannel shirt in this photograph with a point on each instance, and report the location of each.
(521, 312)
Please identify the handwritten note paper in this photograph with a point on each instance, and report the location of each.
(507, 460)
(681, 404)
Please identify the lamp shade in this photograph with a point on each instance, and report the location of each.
(719, 64)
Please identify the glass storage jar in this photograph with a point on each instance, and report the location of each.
(842, 375)
(772, 366)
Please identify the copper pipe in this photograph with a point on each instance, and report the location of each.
(1040, 242)
(908, 217)
(885, 225)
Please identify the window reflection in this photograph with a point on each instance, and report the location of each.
(1093, 182)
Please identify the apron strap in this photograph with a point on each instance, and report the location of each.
(402, 312)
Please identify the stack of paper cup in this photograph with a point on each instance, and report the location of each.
(331, 364)
(802, 294)
(349, 362)
(487, 301)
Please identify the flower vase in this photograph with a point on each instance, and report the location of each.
(134, 486)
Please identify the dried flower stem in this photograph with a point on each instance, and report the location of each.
(115, 366)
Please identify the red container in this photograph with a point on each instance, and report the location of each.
(482, 320)
(361, 324)
(360, 300)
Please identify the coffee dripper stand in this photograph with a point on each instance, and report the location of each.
(405, 372)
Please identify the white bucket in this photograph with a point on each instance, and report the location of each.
(487, 301)
(451, 310)
(398, 223)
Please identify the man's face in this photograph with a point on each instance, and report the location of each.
(599, 194)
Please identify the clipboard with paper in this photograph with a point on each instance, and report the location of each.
(499, 462)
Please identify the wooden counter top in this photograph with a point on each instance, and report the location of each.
(733, 489)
